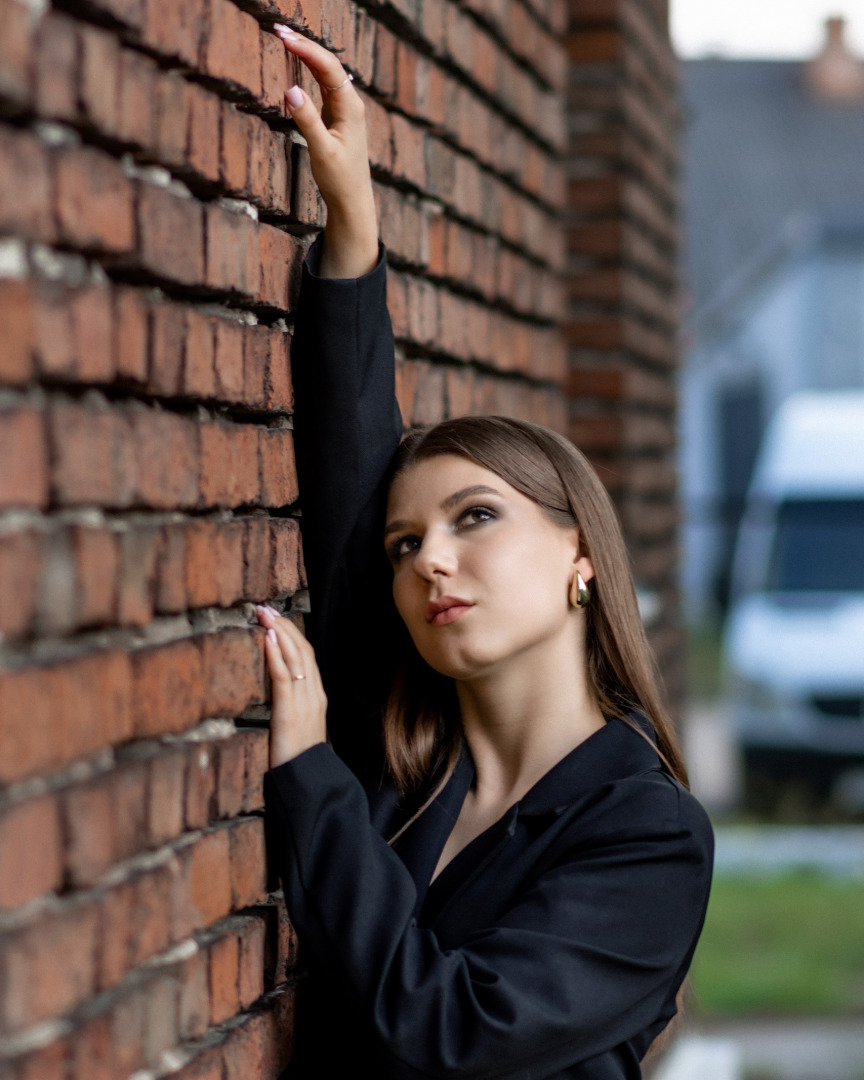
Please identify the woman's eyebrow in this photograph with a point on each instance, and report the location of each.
(447, 504)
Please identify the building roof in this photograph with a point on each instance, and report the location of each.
(760, 151)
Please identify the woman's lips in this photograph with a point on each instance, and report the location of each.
(446, 610)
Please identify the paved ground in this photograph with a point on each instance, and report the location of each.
(795, 1049)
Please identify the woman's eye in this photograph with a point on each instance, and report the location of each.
(403, 546)
(475, 515)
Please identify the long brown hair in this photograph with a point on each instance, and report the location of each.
(422, 732)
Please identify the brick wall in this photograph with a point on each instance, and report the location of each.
(154, 210)
(623, 318)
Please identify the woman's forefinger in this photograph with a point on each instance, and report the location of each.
(324, 65)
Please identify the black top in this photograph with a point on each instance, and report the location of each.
(553, 945)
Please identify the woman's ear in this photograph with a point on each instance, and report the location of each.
(581, 559)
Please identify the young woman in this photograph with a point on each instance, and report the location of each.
(518, 890)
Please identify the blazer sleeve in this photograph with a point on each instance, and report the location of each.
(347, 428)
(588, 956)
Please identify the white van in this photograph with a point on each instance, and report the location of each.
(794, 640)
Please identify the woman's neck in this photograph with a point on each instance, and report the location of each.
(521, 720)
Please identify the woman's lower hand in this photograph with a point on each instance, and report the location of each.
(336, 138)
(299, 706)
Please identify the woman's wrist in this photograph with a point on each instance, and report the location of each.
(350, 247)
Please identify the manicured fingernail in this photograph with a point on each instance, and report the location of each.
(271, 635)
(272, 611)
(282, 30)
(295, 97)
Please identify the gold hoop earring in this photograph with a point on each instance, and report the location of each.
(580, 597)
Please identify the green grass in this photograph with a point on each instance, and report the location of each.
(789, 945)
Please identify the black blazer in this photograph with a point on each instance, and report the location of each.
(554, 944)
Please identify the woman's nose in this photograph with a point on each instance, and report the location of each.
(435, 558)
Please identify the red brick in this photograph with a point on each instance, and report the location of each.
(96, 563)
(200, 791)
(385, 61)
(93, 457)
(228, 359)
(285, 546)
(278, 471)
(250, 983)
(166, 691)
(306, 202)
(89, 825)
(92, 1048)
(257, 763)
(172, 105)
(174, 29)
(25, 828)
(230, 776)
(22, 557)
(248, 863)
(165, 792)
(265, 1038)
(25, 185)
(379, 134)
(99, 85)
(214, 565)
(24, 477)
(17, 48)
(91, 321)
(233, 671)
(130, 334)
(93, 202)
(150, 914)
(56, 68)
(171, 570)
(54, 345)
(209, 877)
(232, 49)
(167, 449)
(206, 1065)
(224, 957)
(137, 119)
(269, 180)
(37, 987)
(17, 320)
(199, 377)
(229, 464)
(256, 559)
(167, 331)
(232, 251)
(194, 1016)
(274, 73)
(203, 140)
(171, 231)
(48, 1063)
(280, 256)
(234, 147)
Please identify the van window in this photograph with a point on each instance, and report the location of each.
(818, 546)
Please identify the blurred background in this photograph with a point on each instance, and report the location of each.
(771, 456)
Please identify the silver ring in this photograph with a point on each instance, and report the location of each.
(344, 82)
(297, 678)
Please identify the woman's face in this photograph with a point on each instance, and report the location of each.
(481, 575)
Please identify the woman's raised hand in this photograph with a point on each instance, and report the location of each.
(299, 708)
(336, 138)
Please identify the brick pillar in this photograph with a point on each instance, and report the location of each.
(155, 207)
(622, 325)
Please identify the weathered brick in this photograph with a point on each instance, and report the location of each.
(165, 792)
(280, 258)
(18, 322)
(224, 963)
(137, 75)
(37, 988)
(171, 231)
(203, 132)
(55, 68)
(130, 334)
(22, 559)
(232, 49)
(278, 470)
(17, 48)
(233, 671)
(214, 564)
(250, 981)
(98, 87)
(167, 453)
(209, 877)
(199, 376)
(25, 185)
(172, 107)
(30, 826)
(166, 691)
(248, 863)
(93, 459)
(285, 547)
(174, 29)
(232, 251)
(24, 477)
(199, 795)
(194, 1018)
